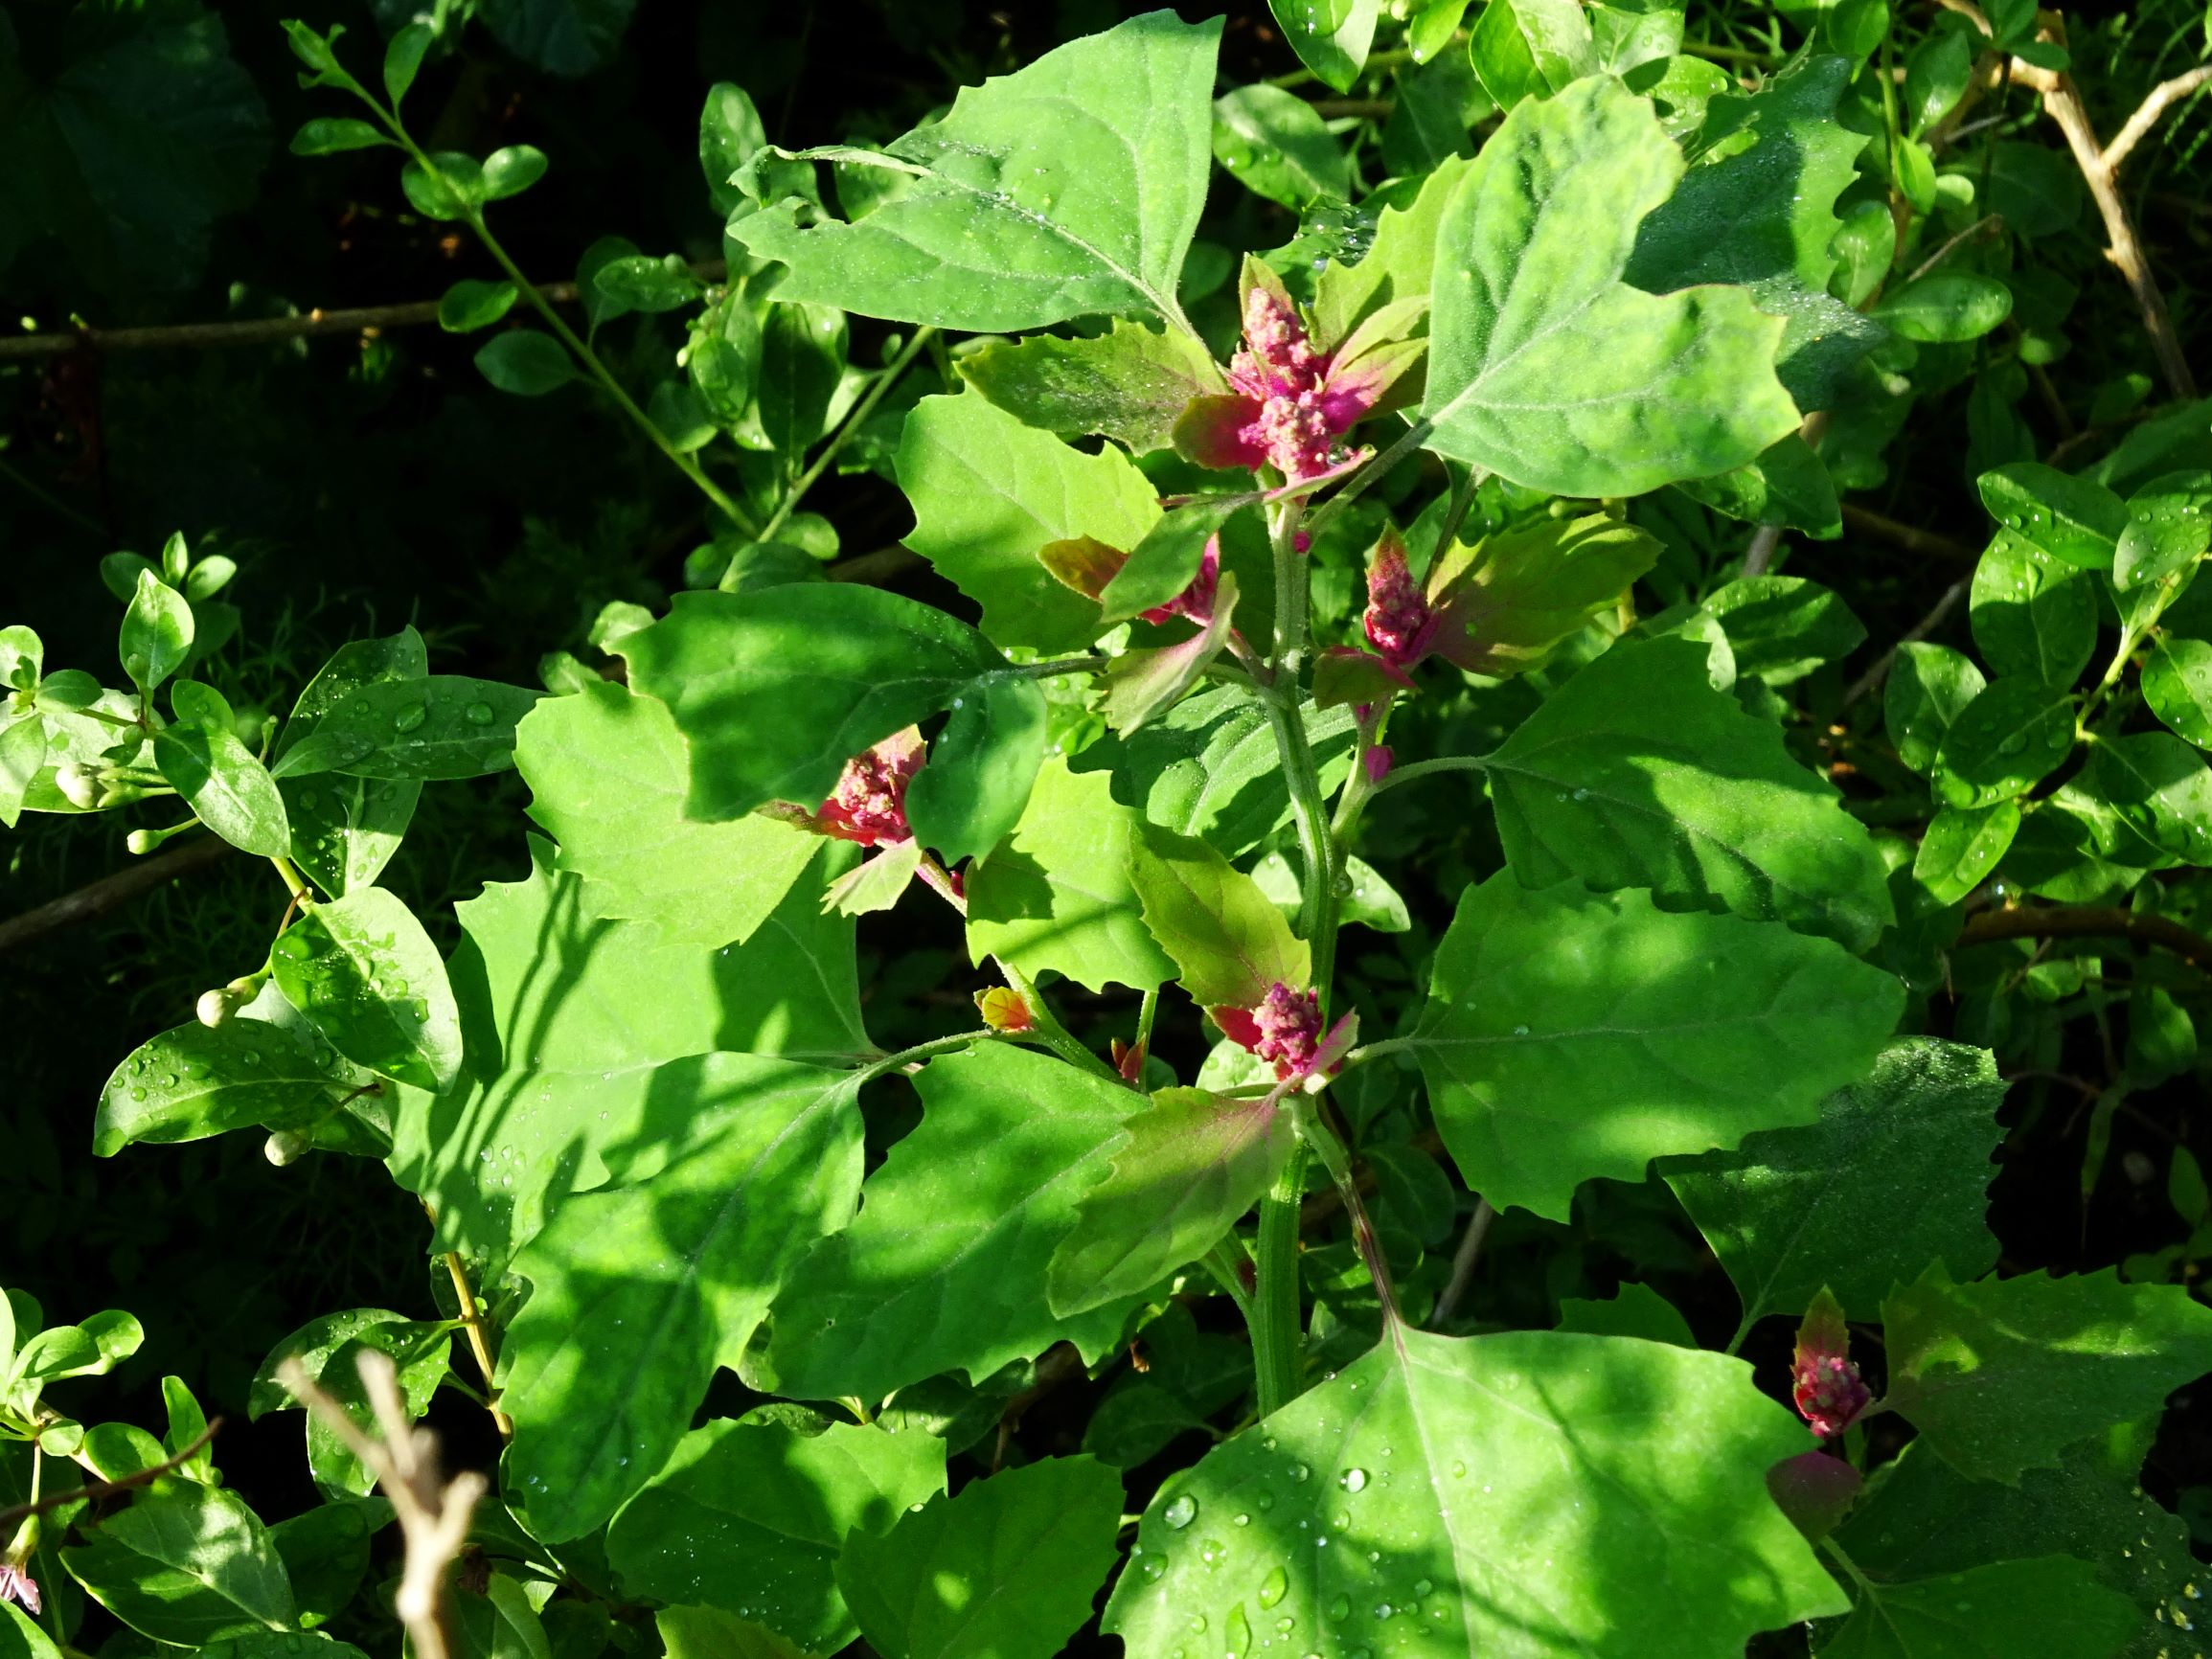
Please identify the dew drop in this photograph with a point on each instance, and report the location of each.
(1181, 1513)
(1299, 1472)
(1355, 1479)
(410, 717)
(1274, 1587)
(1340, 1608)
(478, 714)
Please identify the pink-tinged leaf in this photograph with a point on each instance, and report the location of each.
(1186, 1170)
(1221, 432)
(869, 804)
(1815, 1490)
(1082, 563)
(1343, 677)
(1140, 684)
(1237, 1025)
(1338, 1043)
(1226, 936)
(1351, 463)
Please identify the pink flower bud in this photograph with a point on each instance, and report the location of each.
(1289, 1028)
(1825, 1384)
(869, 804)
(1399, 620)
(17, 1585)
(1377, 760)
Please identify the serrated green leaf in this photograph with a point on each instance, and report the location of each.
(367, 977)
(608, 773)
(751, 1515)
(1544, 365)
(775, 691)
(2053, 1606)
(1069, 188)
(1142, 684)
(185, 1563)
(1638, 773)
(1399, 264)
(1228, 941)
(1893, 1177)
(1187, 1171)
(946, 1268)
(1557, 1496)
(1637, 1310)
(574, 1014)
(987, 493)
(1570, 1035)
(2032, 614)
(1006, 1570)
(2004, 1375)
(1130, 383)
(638, 1292)
(1058, 896)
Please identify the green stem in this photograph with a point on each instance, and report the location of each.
(1431, 768)
(1146, 1012)
(860, 412)
(292, 879)
(2129, 640)
(1222, 1263)
(1357, 484)
(1319, 898)
(1315, 1131)
(1049, 1031)
(944, 1045)
(1278, 1340)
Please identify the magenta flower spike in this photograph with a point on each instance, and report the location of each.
(1400, 621)
(1286, 1030)
(869, 804)
(1825, 1384)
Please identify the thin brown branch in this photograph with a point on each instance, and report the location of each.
(110, 892)
(1905, 535)
(1463, 1261)
(1871, 680)
(433, 1512)
(10, 1517)
(266, 331)
(2162, 97)
(2098, 165)
(2089, 922)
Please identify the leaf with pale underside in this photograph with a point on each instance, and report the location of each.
(608, 772)
(1188, 1170)
(946, 1268)
(990, 492)
(1544, 365)
(1570, 1035)
(1893, 1177)
(639, 1291)
(1549, 1495)
(1069, 188)
(1058, 895)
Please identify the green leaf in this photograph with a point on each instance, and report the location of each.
(1142, 684)
(470, 305)
(2032, 614)
(346, 829)
(1637, 1310)
(511, 169)
(21, 1638)
(326, 1555)
(1638, 773)
(329, 135)
(2004, 1375)
(2160, 794)
(708, 1633)
(2013, 734)
(404, 58)
(2054, 1607)
(128, 133)
(751, 1515)
(526, 362)
(1758, 208)
(1399, 264)
(1946, 307)
(2178, 685)
(419, 729)
(608, 774)
(318, 1342)
(987, 493)
(639, 1292)
(185, 1563)
(945, 1269)
(1058, 895)
(1130, 383)
(2075, 521)
(1187, 1171)
(1962, 845)
(1069, 187)
(1892, 1177)
(876, 884)
(565, 37)
(1208, 767)
(1278, 146)
(229, 790)
(1782, 627)
(1515, 596)
(421, 1355)
(775, 691)
(1570, 1035)
(1545, 366)
(353, 666)
(1392, 1508)
(730, 135)
(1228, 941)
(1922, 1519)
(1006, 1570)
(1529, 48)
(2167, 528)
(369, 980)
(261, 1067)
(448, 189)
(1167, 559)
(1928, 686)
(1788, 485)
(156, 634)
(574, 1013)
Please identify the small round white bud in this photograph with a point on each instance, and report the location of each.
(77, 785)
(285, 1147)
(213, 1008)
(142, 841)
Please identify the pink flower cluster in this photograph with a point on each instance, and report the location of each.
(1285, 1030)
(1400, 620)
(1291, 401)
(1824, 1381)
(869, 804)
